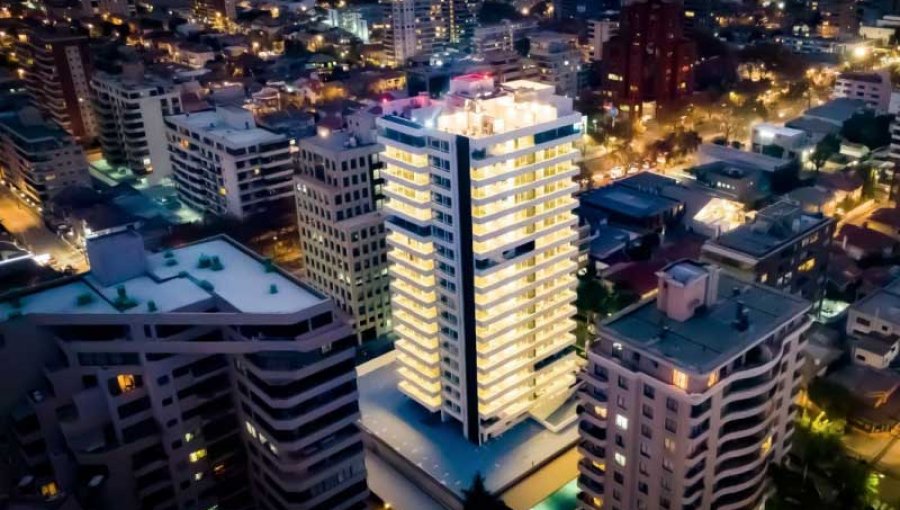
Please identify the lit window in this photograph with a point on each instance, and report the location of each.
(601, 466)
(806, 266)
(669, 444)
(713, 379)
(600, 411)
(766, 445)
(620, 459)
(197, 455)
(198, 476)
(218, 469)
(188, 437)
(679, 379)
(126, 382)
(621, 422)
(250, 429)
(49, 490)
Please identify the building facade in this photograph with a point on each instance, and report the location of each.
(874, 88)
(202, 377)
(57, 76)
(216, 13)
(130, 109)
(414, 27)
(342, 232)
(599, 32)
(224, 165)
(557, 60)
(483, 255)
(688, 397)
(38, 157)
(649, 63)
(785, 247)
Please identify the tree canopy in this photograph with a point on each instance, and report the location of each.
(871, 130)
(477, 497)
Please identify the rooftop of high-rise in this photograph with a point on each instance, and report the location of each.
(476, 106)
(127, 279)
(701, 318)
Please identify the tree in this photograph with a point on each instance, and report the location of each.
(827, 147)
(477, 497)
(495, 12)
(873, 131)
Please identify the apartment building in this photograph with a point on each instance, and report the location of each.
(121, 8)
(872, 87)
(222, 164)
(784, 247)
(558, 61)
(130, 109)
(482, 236)
(599, 32)
(38, 157)
(873, 327)
(688, 396)
(781, 142)
(57, 68)
(500, 36)
(342, 232)
(201, 377)
(216, 13)
(414, 27)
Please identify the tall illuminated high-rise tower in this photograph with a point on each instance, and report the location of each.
(482, 249)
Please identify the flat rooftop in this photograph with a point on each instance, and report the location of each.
(213, 124)
(243, 281)
(708, 339)
(885, 303)
(775, 226)
(628, 201)
(439, 449)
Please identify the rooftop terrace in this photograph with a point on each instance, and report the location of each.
(775, 226)
(172, 281)
(708, 338)
(884, 303)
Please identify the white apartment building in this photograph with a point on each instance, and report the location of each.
(223, 164)
(129, 110)
(599, 32)
(558, 61)
(38, 157)
(342, 232)
(873, 327)
(781, 142)
(500, 36)
(413, 27)
(351, 20)
(872, 87)
(688, 396)
(197, 378)
(482, 237)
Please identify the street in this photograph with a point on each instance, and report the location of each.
(26, 225)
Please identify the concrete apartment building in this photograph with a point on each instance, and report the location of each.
(197, 378)
(57, 67)
(688, 396)
(599, 32)
(130, 109)
(216, 13)
(222, 164)
(781, 142)
(873, 327)
(872, 87)
(558, 61)
(784, 247)
(341, 227)
(500, 36)
(38, 157)
(483, 253)
(414, 27)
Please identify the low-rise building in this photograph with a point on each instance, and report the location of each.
(558, 61)
(873, 325)
(781, 142)
(222, 164)
(38, 157)
(784, 247)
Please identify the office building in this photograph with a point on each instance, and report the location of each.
(201, 377)
(558, 61)
(649, 63)
(57, 76)
(129, 109)
(222, 164)
(688, 396)
(784, 247)
(38, 158)
(872, 87)
(599, 32)
(479, 190)
(341, 228)
(461, 18)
